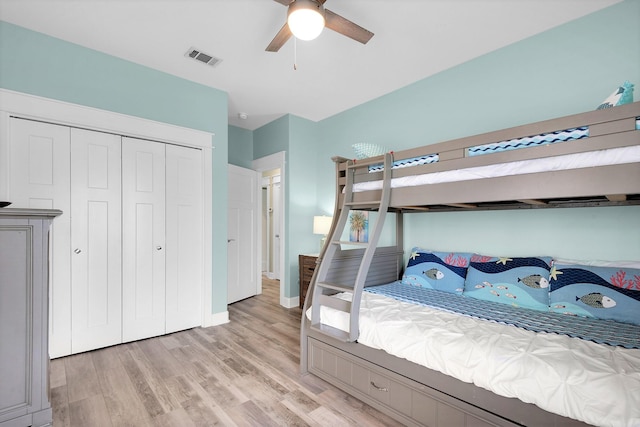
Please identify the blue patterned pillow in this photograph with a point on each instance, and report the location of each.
(520, 282)
(602, 292)
(444, 271)
(364, 150)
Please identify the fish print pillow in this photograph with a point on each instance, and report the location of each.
(444, 271)
(520, 282)
(611, 293)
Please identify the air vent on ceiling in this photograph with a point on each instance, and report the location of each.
(203, 57)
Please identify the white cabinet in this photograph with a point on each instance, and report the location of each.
(24, 362)
(128, 253)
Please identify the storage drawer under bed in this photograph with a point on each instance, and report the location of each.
(407, 401)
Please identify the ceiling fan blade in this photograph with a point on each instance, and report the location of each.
(280, 39)
(288, 2)
(345, 27)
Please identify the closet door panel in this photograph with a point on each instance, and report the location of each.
(39, 178)
(184, 238)
(96, 259)
(143, 235)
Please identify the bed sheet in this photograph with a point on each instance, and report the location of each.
(611, 156)
(593, 383)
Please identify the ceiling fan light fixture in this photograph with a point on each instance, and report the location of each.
(306, 19)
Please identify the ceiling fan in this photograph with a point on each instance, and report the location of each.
(319, 18)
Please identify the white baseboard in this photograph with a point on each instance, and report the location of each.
(216, 319)
(290, 302)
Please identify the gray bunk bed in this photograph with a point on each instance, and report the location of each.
(411, 393)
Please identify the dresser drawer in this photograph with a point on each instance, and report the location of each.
(307, 265)
(308, 268)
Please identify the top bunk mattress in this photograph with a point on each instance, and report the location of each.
(614, 156)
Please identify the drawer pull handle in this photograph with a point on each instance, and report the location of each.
(379, 388)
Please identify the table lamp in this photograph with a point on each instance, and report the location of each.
(322, 225)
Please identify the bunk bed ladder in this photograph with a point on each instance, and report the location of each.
(324, 289)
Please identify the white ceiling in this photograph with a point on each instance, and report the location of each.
(413, 39)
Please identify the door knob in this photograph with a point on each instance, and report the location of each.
(158, 248)
(231, 240)
(77, 250)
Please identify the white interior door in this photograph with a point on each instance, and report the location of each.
(242, 249)
(96, 240)
(143, 238)
(185, 244)
(39, 178)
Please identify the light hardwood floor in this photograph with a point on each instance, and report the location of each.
(243, 373)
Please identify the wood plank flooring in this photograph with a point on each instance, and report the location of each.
(243, 373)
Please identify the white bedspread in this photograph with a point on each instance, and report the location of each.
(594, 383)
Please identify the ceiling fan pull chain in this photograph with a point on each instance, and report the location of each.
(295, 53)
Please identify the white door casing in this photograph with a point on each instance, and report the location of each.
(143, 239)
(96, 240)
(243, 260)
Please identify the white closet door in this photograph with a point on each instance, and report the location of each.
(39, 178)
(184, 251)
(96, 240)
(143, 239)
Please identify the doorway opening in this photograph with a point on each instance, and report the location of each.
(272, 262)
(271, 213)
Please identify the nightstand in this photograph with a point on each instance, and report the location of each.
(307, 264)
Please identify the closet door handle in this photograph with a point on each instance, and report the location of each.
(77, 250)
(378, 387)
(231, 240)
(158, 248)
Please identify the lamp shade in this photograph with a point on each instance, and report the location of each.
(322, 224)
(305, 19)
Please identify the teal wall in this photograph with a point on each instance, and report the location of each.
(563, 71)
(37, 64)
(302, 197)
(271, 138)
(240, 147)
(567, 70)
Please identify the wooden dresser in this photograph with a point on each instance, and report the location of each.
(24, 352)
(307, 264)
